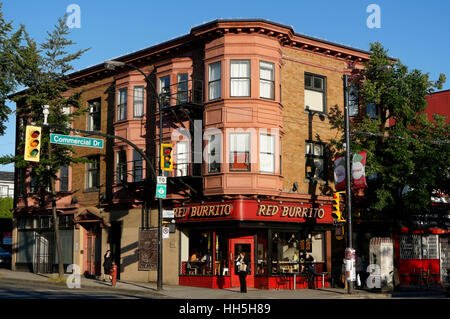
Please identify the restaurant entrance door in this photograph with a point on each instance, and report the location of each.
(237, 245)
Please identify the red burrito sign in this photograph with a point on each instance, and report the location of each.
(243, 209)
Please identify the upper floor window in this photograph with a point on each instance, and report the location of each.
(214, 154)
(353, 102)
(182, 158)
(122, 105)
(94, 115)
(315, 92)
(93, 173)
(239, 151)
(121, 166)
(371, 110)
(138, 101)
(240, 78)
(266, 80)
(64, 178)
(315, 157)
(66, 110)
(164, 90)
(214, 80)
(182, 88)
(267, 153)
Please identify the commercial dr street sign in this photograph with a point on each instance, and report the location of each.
(76, 141)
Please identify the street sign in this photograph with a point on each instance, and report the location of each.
(161, 180)
(76, 141)
(168, 214)
(161, 190)
(165, 232)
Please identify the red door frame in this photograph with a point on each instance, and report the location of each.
(234, 276)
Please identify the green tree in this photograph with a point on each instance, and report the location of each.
(43, 70)
(9, 42)
(408, 155)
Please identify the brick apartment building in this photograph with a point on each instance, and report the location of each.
(245, 104)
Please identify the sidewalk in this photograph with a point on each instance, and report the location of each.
(184, 292)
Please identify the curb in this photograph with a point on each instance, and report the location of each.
(95, 287)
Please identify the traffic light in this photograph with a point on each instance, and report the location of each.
(32, 143)
(337, 213)
(166, 157)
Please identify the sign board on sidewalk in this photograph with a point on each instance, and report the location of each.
(76, 141)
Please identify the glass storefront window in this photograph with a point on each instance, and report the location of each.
(197, 253)
(221, 258)
(290, 251)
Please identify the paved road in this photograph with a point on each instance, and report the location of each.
(23, 290)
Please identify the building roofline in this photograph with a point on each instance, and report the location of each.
(198, 31)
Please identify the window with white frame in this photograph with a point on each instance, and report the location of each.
(266, 80)
(315, 169)
(3, 191)
(214, 81)
(182, 158)
(214, 153)
(164, 90)
(138, 101)
(137, 166)
(239, 151)
(93, 173)
(122, 105)
(240, 78)
(315, 92)
(267, 153)
(121, 166)
(94, 116)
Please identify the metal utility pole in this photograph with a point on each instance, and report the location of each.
(348, 175)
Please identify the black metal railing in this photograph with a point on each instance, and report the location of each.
(182, 93)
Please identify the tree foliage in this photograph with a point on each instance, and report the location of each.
(43, 70)
(408, 156)
(9, 41)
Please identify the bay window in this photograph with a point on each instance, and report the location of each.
(240, 151)
(267, 153)
(240, 78)
(214, 81)
(266, 80)
(214, 153)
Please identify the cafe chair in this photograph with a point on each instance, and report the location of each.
(225, 270)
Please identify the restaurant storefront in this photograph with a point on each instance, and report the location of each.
(276, 236)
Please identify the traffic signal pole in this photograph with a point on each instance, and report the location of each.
(348, 181)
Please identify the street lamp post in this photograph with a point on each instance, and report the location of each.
(111, 65)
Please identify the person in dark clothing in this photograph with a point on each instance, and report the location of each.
(107, 264)
(243, 268)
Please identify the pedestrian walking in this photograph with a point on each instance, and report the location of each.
(243, 268)
(107, 264)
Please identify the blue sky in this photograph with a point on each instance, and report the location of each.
(417, 32)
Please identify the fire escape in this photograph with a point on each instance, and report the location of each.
(181, 105)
